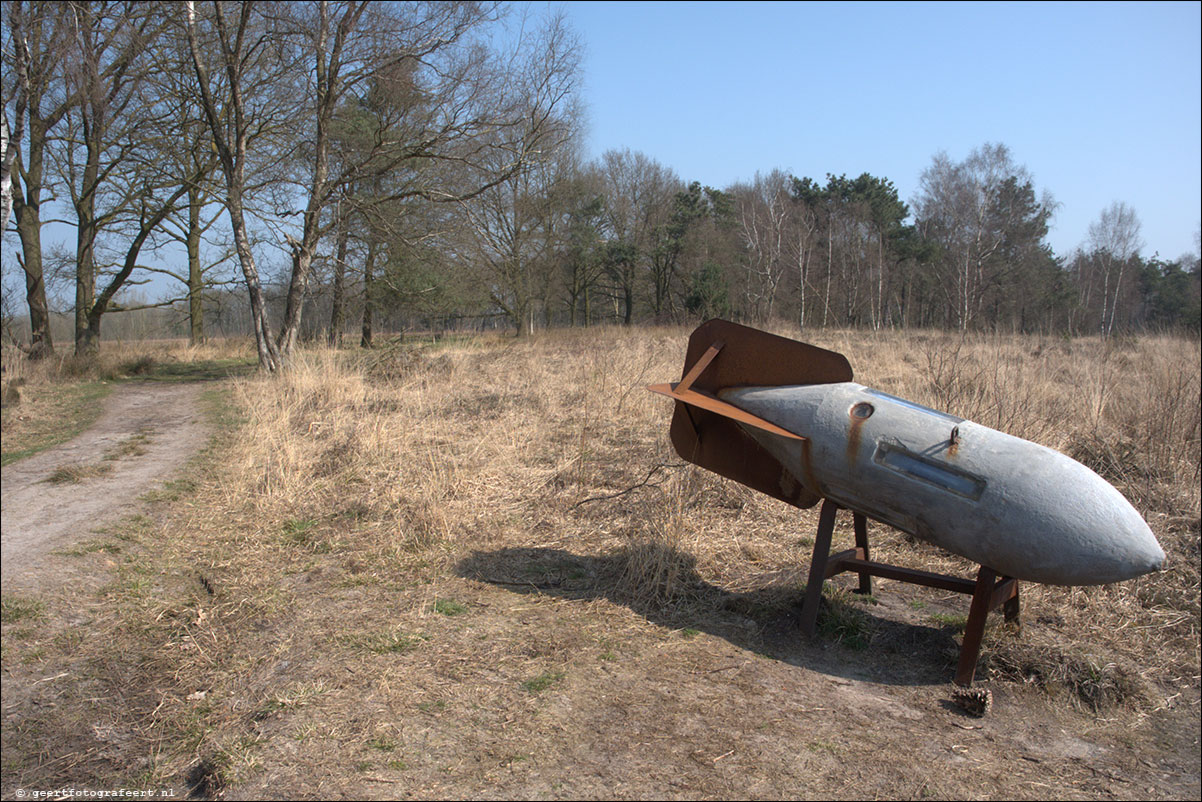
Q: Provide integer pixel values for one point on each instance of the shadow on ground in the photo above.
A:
(856, 639)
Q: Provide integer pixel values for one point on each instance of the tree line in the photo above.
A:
(420, 162)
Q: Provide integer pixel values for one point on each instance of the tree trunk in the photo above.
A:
(85, 282)
(41, 344)
(87, 339)
(302, 263)
(232, 152)
(337, 311)
(327, 68)
(830, 269)
(196, 324)
(269, 357)
(368, 268)
(27, 210)
(8, 152)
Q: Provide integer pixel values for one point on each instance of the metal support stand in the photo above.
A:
(988, 592)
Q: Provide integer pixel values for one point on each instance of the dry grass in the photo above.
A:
(74, 474)
(51, 401)
(285, 628)
(117, 360)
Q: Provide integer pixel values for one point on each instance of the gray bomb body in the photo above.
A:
(1020, 508)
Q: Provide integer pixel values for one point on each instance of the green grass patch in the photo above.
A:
(221, 409)
(449, 607)
(201, 370)
(19, 608)
(91, 547)
(842, 620)
(173, 490)
(132, 446)
(385, 642)
(951, 620)
(543, 681)
(825, 746)
(383, 743)
(298, 530)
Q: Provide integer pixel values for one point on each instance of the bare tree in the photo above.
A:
(39, 36)
(10, 139)
(800, 246)
(669, 244)
(638, 198)
(110, 154)
(207, 261)
(338, 298)
(484, 116)
(187, 157)
(514, 234)
(1114, 239)
(981, 212)
(246, 101)
(764, 212)
(580, 254)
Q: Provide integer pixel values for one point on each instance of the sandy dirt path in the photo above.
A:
(167, 426)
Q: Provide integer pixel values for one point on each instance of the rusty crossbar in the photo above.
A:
(989, 591)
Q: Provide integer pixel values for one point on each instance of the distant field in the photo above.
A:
(477, 569)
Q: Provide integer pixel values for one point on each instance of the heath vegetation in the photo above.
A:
(478, 568)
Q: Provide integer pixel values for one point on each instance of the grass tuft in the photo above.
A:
(843, 619)
(79, 472)
(543, 681)
(449, 607)
(385, 642)
(1099, 684)
(15, 608)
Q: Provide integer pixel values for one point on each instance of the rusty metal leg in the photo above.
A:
(822, 552)
(974, 629)
(1010, 611)
(860, 524)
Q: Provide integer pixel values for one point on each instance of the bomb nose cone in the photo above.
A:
(1134, 555)
(1104, 538)
(1154, 558)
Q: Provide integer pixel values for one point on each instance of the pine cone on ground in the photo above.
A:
(975, 701)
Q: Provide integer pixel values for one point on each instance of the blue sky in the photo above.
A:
(1100, 101)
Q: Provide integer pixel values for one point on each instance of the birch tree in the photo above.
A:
(970, 210)
(638, 199)
(764, 211)
(1114, 240)
(241, 83)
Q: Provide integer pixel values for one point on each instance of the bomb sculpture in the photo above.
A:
(786, 418)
